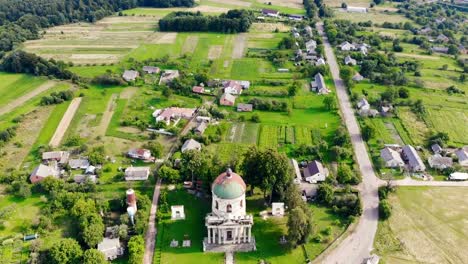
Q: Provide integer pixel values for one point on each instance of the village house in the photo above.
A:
(411, 156)
(137, 173)
(227, 99)
(110, 248)
(139, 153)
(151, 69)
(442, 38)
(357, 77)
(315, 172)
(320, 61)
(75, 164)
(191, 144)
(363, 104)
(436, 148)
(296, 17)
(270, 12)
(318, 85)
(355, 9)
(198, 89)
(385, 110)
(346, 46)
(168, 76)
(425, 31)
(172, 114)
(311, 45)
(308, 31)
(244, 107)
(130, 75)
(232, 87)
(43, 171)
(391, 158)
(90, 170)
(462, 155)
(436, 161)
(201, 127)
(296, 35)
(462, 49)
(349, 61)
(362, 47)
(82, 178)
(440, 49)
(59, 156)
(206, 119)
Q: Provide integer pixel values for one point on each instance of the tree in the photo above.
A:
(345, 175)
(136, 248)
(329, 102)
(344, 5)
(299, 226)
(169, 174)
(325, 193)
(368, 132)
(268, 170)
(94, 256)
(92, 228)
(255, 118)
(66, 251)
(403, 92)
(155, 147)
(293, 88)
(96, 156)
(385, 210)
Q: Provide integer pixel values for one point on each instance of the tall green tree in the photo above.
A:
(329, 102)
(299, 226)
(136, 249)
(65, 251)
(94, 256)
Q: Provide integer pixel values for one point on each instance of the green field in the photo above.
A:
(13, 86)
(426, 226)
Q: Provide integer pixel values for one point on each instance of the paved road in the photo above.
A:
(65, 122)
(357, 246)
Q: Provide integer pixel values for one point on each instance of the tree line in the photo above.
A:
(232, 22)
(166, 3)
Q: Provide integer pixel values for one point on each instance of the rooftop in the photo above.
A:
(228, 185)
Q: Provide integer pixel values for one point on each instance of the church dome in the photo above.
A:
(229, 185)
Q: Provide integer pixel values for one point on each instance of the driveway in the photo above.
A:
(357, 246)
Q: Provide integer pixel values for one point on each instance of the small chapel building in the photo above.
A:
(229, 227)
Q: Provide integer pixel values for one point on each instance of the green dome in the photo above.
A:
(229, 185)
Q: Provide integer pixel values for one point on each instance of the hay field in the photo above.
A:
(372, 15)
(428, 225)
(106, 41)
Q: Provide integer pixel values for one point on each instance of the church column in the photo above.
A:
(209, 235)
(236, 236)
(250, 233)
(242, 239)
(219, 235)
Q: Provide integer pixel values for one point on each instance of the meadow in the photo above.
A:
(426, 226)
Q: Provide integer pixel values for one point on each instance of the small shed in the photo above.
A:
(277, 209)
(177, 212)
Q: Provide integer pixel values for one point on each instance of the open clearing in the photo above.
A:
(215, 52)
(65, 122)
(286, 3)
(190, 44)
(105, 41)
(428, 225)
(374, 16)
(168, 38)
(23, 99)
(107, 116)
(239, 46)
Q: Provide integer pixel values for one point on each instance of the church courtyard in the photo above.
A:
(267, 232)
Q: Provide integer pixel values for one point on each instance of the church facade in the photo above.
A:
(228, 226)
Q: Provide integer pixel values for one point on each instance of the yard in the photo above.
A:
(267, 234)
(427, 226)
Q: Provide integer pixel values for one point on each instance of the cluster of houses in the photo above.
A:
(395, 156)
(54, 163)
(166, 76)
(310, 54)
(439, 40)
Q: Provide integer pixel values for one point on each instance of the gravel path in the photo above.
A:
(357, 246)
(65, 122)
(150, 238)
(23, 99)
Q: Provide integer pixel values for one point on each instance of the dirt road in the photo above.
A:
(107, 116)
(23, 99)
(239, 46)
(357, 246)
(65, 122)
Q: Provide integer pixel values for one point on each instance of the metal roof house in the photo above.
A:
(391, 158)
(411, 156)
(137, 173)
(191, 144)
(315, 172)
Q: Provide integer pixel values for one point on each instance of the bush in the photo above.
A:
(385, 209)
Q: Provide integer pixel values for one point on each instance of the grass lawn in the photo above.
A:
(427, 226)
(13, 86)
(374, 16)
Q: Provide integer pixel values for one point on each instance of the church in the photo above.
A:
(229, 227)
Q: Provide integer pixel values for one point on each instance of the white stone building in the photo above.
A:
(229, 226)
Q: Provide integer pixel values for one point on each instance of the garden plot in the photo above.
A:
(239, 46)
(215, 52)
(286, 3)
(168, 38)
(243, 133)
(452, 121)
(269, 27)
(374, 16)
(190, 44)
(416, 128)
(106, 41)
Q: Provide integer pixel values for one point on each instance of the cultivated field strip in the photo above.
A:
(65, 122)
